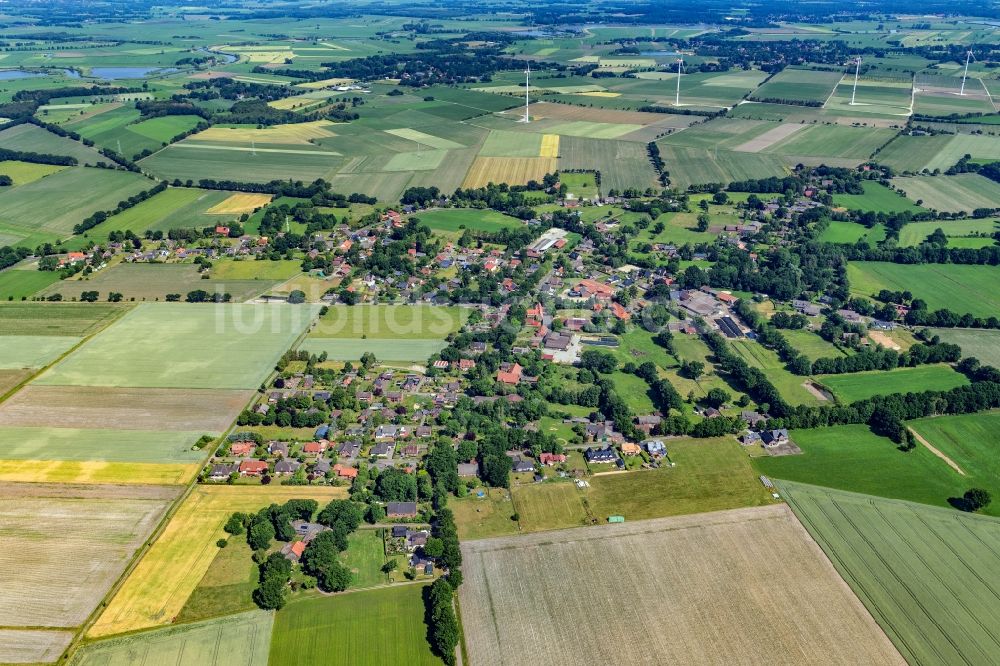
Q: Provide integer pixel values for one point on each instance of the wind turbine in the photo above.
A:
(677, 97)
(253, 149)
(857, 70)
(965, 75)
(527, 88)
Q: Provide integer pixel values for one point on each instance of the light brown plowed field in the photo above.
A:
(746, 586)
(207, 410)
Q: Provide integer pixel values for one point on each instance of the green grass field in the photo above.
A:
(635, 391)
(365, 556)
(623, 164)
(122, 131)
(710, 475)
(908, 153)
(878, 198)
(970, 441)
(236, 640)
(60, 319)
(174, 208)
(856, 143)
(23, 173)
(789, 386)
(812, 345)
(979, 343)
(358, 629)
(102, 445)
(799, 85)
(960, 288)
(399, 322)
(32, 351)
(861, 385)
(182, 345)
(850, 457)
(384, 349)
(963, 192)
(227, 587)
(20, 282)
(921, 571)
(70, 196)
(284, 269)
(916, 233)
(851, 232)
(457, 220)
(34, 139)
(693, 166)
(153, 281)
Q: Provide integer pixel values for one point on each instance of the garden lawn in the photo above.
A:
(850, 457)
(369, 628)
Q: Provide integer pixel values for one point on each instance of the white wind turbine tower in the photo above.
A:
(677, 97)
(965, 75)
(857, 70)
(527, 88)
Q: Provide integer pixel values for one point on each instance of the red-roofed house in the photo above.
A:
(293, 551)
(620, 312)
(345, 472)
(509, 374)
(252, 467)
(242, 448)
(221, 230)
(551, 458)
(596, 288)
(315, 447)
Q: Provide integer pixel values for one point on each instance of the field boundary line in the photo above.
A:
(936, 451)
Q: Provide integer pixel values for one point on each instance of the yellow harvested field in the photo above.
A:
(163, 580)
(298, 133)
(240, 203)
(550, 146)
(512, 170)
(600, 93)
(747, 586)
(74, 471)
(325, 83)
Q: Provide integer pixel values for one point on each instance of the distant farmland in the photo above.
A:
(703, 576)
(921, 571)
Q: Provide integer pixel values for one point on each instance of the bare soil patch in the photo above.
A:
(769, 138)
(208, 410)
